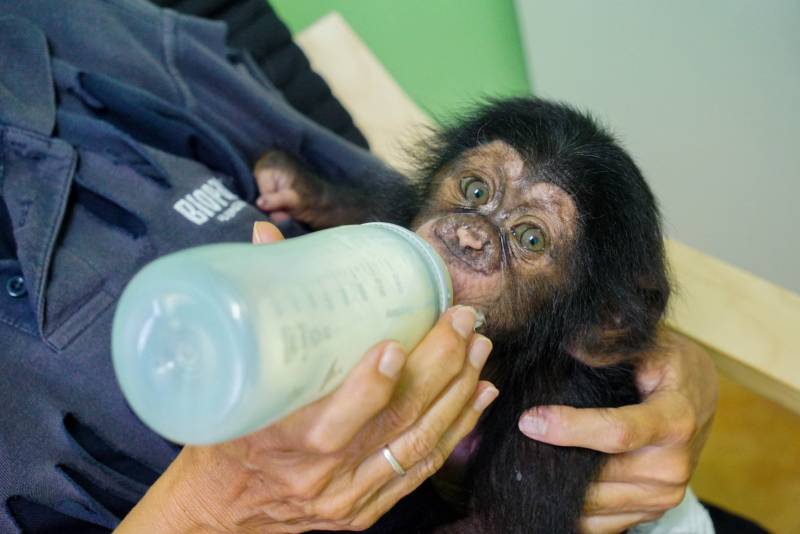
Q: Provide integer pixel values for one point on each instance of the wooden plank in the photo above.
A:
(751, 325)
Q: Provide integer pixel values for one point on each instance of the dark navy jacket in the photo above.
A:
(126, 132)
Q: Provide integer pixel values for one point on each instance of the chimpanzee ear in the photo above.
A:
(627, 330)
(602, 347)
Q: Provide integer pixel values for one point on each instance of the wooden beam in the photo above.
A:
(751, 326)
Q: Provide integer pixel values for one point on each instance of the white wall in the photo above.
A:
(706, 96)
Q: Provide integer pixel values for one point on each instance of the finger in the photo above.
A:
(330, 423)
(609, 498)
(285, 199)
(279, 216)
(267, 180)
(430, 438)
(612, 430)
(613, 524)
(425, 436)
(666, 465)
(397, 486)
(433, 364)
(264, 232)
(260, 203)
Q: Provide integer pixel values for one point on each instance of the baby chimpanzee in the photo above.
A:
(549, 229)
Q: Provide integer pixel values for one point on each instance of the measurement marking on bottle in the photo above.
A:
(377, 277)
(289, 343)
(392, 272)
(333, 371)
(328, 301)
(311, 300)
(298, 307)
(300, 339)
(362, 291)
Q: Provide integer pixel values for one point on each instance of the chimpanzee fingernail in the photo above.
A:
(533, 425)
(464, 320)
(479, 351)
(485, 398)
(392, 361)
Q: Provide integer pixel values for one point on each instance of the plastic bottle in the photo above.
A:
(215, 342)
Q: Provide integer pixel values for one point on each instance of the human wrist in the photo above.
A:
(179, 502)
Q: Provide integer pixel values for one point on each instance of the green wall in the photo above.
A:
(444, 53)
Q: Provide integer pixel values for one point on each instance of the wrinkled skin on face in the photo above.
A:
(503, 235)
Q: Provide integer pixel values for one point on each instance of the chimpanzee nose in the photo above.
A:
(470, 238)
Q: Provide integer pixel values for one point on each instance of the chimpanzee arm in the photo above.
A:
(289, 186)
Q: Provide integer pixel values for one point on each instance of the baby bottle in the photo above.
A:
(217, 341)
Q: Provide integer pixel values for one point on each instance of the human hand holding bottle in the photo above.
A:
(322, 467)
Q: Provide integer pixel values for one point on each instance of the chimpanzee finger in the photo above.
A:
(285, 199)
(267, 180)
(400, 486)
(279, 216)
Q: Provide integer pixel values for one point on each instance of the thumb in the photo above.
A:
(610, 430)
(264, 232)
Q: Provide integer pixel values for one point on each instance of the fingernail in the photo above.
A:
(485, 398)
(479, 351)
(263, 233)
(533, 425)
(464, 320)
(392, 361)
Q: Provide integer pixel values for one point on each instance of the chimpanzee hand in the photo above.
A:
(288, 189)
(654, 445)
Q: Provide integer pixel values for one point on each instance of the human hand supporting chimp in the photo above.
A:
(654, 446)
(322, 466)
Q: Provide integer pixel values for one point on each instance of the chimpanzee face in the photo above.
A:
(504, 235)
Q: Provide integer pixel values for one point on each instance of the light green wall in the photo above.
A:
(444, 53)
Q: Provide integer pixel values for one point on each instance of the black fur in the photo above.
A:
(613, 296)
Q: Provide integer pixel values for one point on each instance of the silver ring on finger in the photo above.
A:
(393, 461)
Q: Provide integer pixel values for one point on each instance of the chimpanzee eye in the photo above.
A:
(531, 238)
(475, 190)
